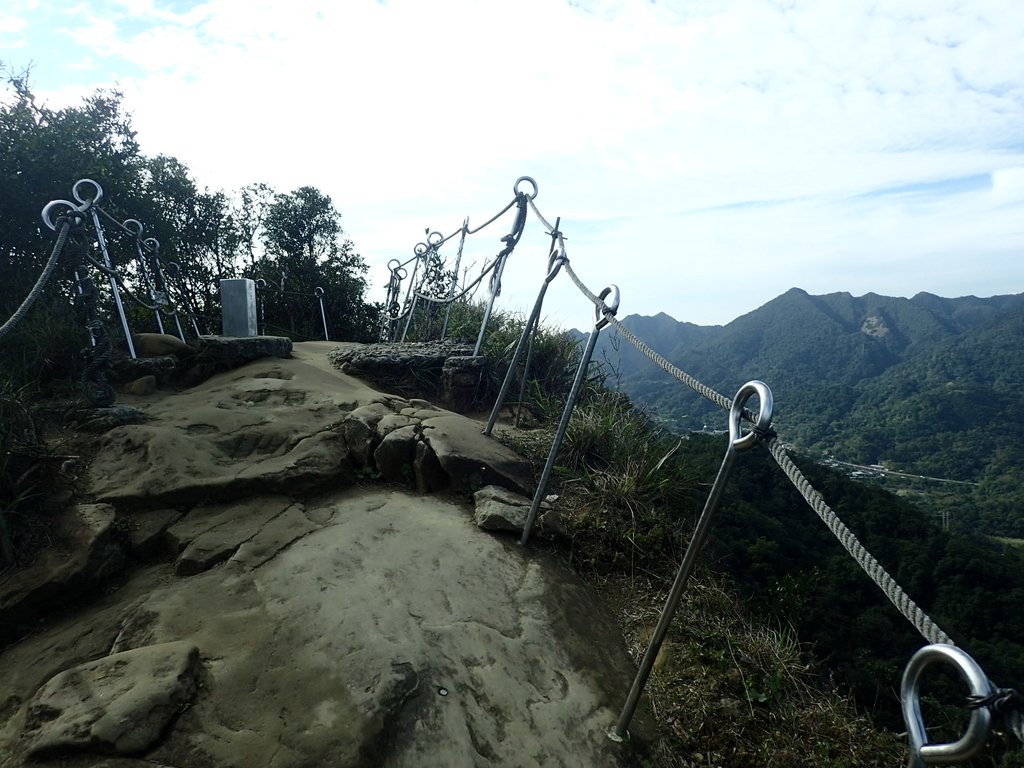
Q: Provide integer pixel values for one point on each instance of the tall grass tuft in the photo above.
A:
(630, 498)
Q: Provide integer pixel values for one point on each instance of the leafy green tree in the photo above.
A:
(305, 249)
(42, 153)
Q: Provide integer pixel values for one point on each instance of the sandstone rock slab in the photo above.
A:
(232, 352)
(120, 703)
(474, 460)
(89, 548)
(265, 427)
(498, 509)
(210, 535)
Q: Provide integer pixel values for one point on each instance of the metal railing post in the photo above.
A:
(555, 261)
(91, 205)
(319, 293)
(737, 442)
(600, 321)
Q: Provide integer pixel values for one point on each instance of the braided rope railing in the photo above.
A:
(910, 610)
(41, 282)
(1005, 704)
(423, 252)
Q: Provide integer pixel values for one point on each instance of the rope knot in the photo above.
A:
(74, 219)
(1001, 701)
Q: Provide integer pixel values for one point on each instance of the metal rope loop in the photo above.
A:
(318, 291)
(434, 239)
(763, 421)
(261, 284)
(420, 248)
(396, 264)
(151, 244)
(977, 732)
(134, 226)
(604, 308)
(87, 201)
(555, 262)
(73, 210)
(536, 189)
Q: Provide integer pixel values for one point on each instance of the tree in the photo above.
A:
(305, 249)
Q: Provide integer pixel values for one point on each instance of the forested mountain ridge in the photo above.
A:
(927, 385)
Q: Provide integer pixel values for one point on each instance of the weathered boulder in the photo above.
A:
(360, 430)
(160, 345)
(499, 509)
(105, 419)
(265, 427)
(394, 456)
(127, 369)
(232, 352)
(279, 532)
(142, 386)
(121, 703)
(210, 535)
(89, 548)
(358, 626)
(430, 475)
(147, 531)
(393, 421)
(395, 634)
(473, 460)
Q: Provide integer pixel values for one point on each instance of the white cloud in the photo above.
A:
(1008, 185)
(639, 120)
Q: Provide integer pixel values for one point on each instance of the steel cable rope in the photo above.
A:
(179, 287)
(472, 286)
(156, 307)
(289, 293)
(464, 229)
(171, 311)
(465, 290)
(43, 279)
(491, 220)
(921, 621)
(117, 276)
(910, 610)
(109, 272)
(1007, 705)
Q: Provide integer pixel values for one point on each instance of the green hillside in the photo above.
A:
(926, 386)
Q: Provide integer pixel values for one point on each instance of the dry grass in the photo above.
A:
(732, 693)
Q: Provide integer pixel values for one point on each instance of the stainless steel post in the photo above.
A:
(737, 442)
(555, 261)
(319, 293)
(91, 204)
(600, 321)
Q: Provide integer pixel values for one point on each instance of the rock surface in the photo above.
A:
(498, 509)
(404, 367)
(232, 351)
(120, 703)
(296, 623)
(88, 549)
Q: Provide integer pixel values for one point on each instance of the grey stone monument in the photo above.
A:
(238, 304)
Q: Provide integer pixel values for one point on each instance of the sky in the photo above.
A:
(704, 156)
